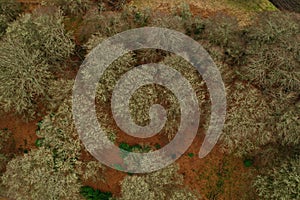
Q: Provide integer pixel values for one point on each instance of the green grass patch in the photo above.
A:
(39, 142)
(90, 193)
(191, 155)
(248, 162)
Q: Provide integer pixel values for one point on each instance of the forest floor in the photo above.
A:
(217, 176)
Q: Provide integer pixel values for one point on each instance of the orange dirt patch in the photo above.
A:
(23, 133)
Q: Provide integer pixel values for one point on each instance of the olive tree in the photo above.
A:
(281, 182)
(33, 47)
(54, 170)
(160, 185)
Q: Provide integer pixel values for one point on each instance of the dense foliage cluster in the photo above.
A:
(33, 47)
(281, 182)
(53, 171)
(9, 10)
(160, 185)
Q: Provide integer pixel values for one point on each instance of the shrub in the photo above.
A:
(33, 46)
(93, 41)
(53, 171)
(44, 33)
(224, 31)
(248, 119)
(168, 21)
(35, 176)
(9, 10)
(160, 185)
(288, 125)
(265, 115)
(173, 106)
(273, 53)
(24, 77)
(281, 182)
(108, 25)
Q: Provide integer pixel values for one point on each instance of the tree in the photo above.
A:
(53, 171)
(280, 183)
(32, 49)
(160, 185)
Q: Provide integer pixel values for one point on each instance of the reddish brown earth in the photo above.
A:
(24, 135)
(201, 175)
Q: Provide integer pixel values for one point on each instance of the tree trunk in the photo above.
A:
(290, 5)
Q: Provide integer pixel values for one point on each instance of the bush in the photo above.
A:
(33, 47)
(44, 33)
(53, 171)
(224, 31)
(274, 53)
(9, 10)
(35, 176)
(247, 127)
(257, 124)
(288, 126)
(160, 185)
(281, 182)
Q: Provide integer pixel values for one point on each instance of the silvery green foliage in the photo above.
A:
(248, 119)
(146, 96)
(288, 126)
(33, 47)
(59, 134)
(9, 10)
(254, 121)
(91, 171)
(45, 33)
(58, 90)
(35, 176)
(280, 183)
(24, 76)
(94, 41)
(53, 171)
(160, 185)
(113, 73)
(274, 53)
(192, 75)
(3, 24)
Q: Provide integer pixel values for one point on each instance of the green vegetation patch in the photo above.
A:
(90, 193)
